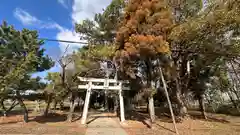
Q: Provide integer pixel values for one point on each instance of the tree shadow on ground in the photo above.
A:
(90, 121)
(138, 116)
(52, 117)
(15, 112)
(97, 117)
(197, 115)
(76, 117)
(11, 122)
(14, 116)
(163, 115)
(165, 128)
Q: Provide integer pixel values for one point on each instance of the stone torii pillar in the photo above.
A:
(122, 115)
(86, 103)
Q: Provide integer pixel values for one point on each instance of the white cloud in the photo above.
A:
(63, 3)
(25, 17)
(51, 25)
(29, 20)
(64, 34)
(83, 9)
(68, 35)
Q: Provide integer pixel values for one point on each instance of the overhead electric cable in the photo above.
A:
(66, 41)
(173, 50)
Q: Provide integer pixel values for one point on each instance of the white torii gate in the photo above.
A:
(118, 86)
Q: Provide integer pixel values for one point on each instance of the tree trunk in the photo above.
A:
(151, 88)
(234, 86)
(25, 111)
(236, 93)
(5, 110)
(37, 108)
(232, 100)
(147, 110)
(128, 104)
(71, 109)
(78, 102)
(3, 107)
(151, 109)
(11, 107)
(235, 72)
(61, 105)
(106, 101)
(48, 104)
(202, 106)
(55, 105)
(181, 106)
(116, 106)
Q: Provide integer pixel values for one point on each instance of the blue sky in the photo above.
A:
(53, 19)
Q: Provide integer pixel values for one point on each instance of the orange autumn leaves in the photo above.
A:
(146, 45)
(144, 29)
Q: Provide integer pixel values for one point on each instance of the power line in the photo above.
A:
(66, 41)
(173, 50)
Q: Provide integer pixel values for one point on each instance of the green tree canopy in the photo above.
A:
(102, 29)
(20, 55)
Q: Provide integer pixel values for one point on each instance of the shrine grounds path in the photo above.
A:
(104, 124)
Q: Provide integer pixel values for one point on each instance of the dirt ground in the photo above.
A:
(217, 124)
(53, 124)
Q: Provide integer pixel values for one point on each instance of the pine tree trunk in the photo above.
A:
(55, 105)
(71, 109)
(202, 106)
(5, 110)
(116, 106)
(150, 106)
(3, 107)
(128, 104)
(78, 102)
(233, 102)
(151, 109)
(235, 72)
(37, 108)
(181, 106)
(106, 101)
(234, 87)
(25, 111)
(147, 110)
(48, 105)
(238, 80)
(61, 105)
(11, 107)
(236, 93)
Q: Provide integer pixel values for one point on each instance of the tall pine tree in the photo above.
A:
(142, 38)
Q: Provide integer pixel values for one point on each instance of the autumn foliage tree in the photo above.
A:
(142, 38)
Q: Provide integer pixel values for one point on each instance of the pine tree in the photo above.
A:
(20, 55)
(102, 29)
(142, 39)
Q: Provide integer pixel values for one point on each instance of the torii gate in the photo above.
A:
(118, 85)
